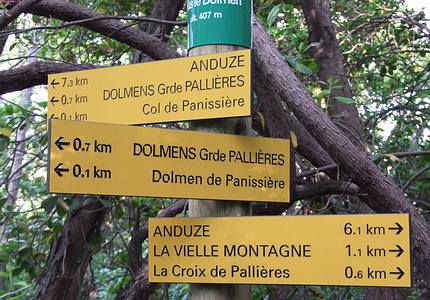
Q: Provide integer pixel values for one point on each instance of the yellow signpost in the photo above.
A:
(105, 159)
(201, 87)
(352, 250)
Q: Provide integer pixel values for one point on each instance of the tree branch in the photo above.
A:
(278, 123)
(34, 74)
(384, 195)
(308, 191)
(410, 153)
(111, 28)
(11, 14)
(413, 178)
(83, 21)
(163, 9)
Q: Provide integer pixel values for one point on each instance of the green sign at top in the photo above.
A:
(222, 22)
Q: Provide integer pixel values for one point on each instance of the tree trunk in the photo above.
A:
(69, 255)
(384, 195)
(14, 177)
(163, 10)
(278, 122)
(139, 288)
(3, 41)
(329, 59)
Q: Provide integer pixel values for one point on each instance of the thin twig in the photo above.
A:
(413, 178)
(79, 22)
(5, 296)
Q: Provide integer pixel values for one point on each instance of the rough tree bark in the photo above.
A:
(385, 196)
(308, 191)
(69, 256)
(3, 41)
(163, 10)
(331, 67)
(278, 122)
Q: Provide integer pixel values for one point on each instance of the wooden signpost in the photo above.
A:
(214, 254)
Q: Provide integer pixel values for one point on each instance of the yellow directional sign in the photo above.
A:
(201, 87)
(105, 159)
(352, 250)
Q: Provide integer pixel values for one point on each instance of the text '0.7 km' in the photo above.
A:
(202, 87)
(93, 158)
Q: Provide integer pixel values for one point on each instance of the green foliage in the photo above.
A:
(387, 60)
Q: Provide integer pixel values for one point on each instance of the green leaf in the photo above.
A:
(118, 212)
(317, 290)
(326, 93)
(423, 94)
(291, 60)
(314, 44)
(273, 15)
(313, 66)
(21, 225)
(303, 69)
(17, 271)
(12, 46)
(57, 228)
(5, 132)
(375, 157)
(344, 100)
(9, 109)
(4, 257)
(294, 140)
(43, 104)
(49, 203)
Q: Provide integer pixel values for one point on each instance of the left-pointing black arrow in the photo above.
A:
(399, 273)
(54, 83)
(399, 250)
(53, 100)
(60, 143)
(59, 170)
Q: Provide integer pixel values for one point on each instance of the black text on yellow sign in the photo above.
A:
(352, 250)
(201, 87)
(105, 159)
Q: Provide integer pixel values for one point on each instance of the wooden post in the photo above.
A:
(209, 208)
